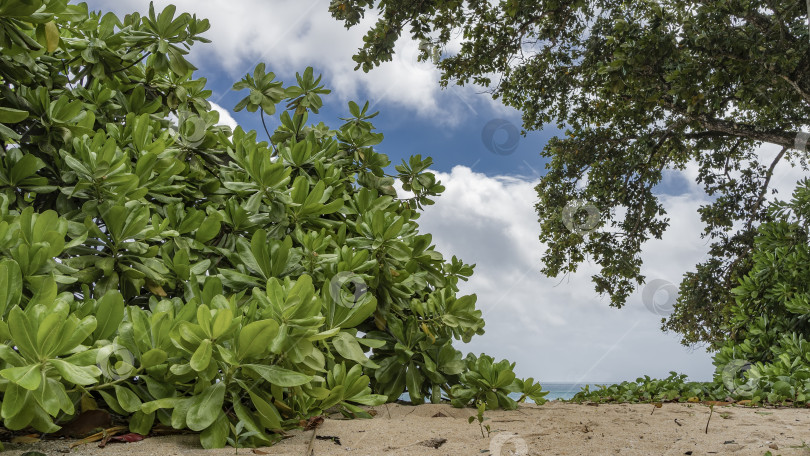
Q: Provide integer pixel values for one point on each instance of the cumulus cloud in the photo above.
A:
(556, 329)
(291, 35)
(559, 329)
(225, 117)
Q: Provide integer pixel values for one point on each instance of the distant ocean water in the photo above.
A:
(555, 390)
(562, 390)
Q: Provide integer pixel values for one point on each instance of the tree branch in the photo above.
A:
(764, 189)
(793, 83)
(778, 137)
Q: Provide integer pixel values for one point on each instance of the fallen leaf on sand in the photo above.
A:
(26, 438)
(131, 437)
(104, 435)
(126, 438)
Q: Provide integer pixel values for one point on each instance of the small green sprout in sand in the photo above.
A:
(482, 406)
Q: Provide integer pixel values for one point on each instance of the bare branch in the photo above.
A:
(764, 189)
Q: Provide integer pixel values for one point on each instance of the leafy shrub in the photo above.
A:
(175, 271)
(674, 388)
(488, 382)
(768, 359)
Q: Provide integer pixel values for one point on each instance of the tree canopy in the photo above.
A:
(638, 89)
(768, 359)
(167, 269)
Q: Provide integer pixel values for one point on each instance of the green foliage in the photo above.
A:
(482, 407)
(638, 89)
(647, 390)
(485, 381)
(767, 360)
(181, 273)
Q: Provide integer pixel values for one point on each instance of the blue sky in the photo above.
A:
(455, 138)
(555, 329)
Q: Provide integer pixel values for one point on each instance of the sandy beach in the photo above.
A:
(555, 428)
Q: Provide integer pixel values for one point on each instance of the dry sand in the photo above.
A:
(552, 429)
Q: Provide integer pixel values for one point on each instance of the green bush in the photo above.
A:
(674, 388)
(171, 270)
(767, 361)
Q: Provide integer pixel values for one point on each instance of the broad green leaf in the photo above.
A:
(11, 115)
(204, 320)
(112, 402)
(222, 321)
(49, 332)
(202, 356)
(414, 380)
(23, 333)
(128, 400)
(153, 357)
(51, 36)
(255, 338)
(11, 285)
(216, 435)
(14, 399)
(206, 407)
(109, 314)
(268, 414)
(79, 375)
(29, 377)
(165, 403)
(348, 347)
(51, 396)
(278, 375)
(141, 423)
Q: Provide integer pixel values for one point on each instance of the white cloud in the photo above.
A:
(558, 329)
(225, 117)
(291, 35)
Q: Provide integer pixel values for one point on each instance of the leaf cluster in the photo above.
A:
(767, 358)
(173, 271)
(638, 92)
